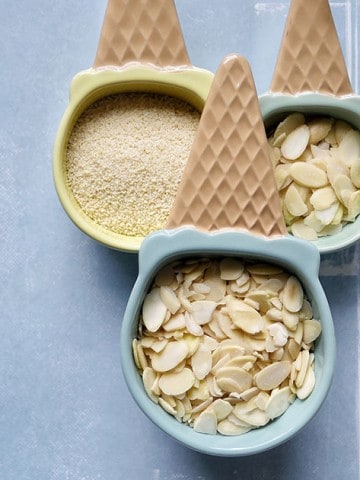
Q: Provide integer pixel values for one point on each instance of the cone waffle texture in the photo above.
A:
(145, 31)
(310, 57)
(228, 181)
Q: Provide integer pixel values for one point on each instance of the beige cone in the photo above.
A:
(228, 181)
(310, 57)
(143, 31)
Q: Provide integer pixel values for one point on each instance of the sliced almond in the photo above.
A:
(153, 310)
(323, 198)
(244, 361)
(334, 168)
(304, 358)
(290, 123)
(244, 316)
(226, 427)
(272, 375)
(293, 295)
(180, 409)
(135, 353)
(170, 299)
(308, 175)
(313, 222)
(173, 354)
(201, 361)
(293, 348)
(262, 399)
(236, 420)
(274, 155)
(202, 406)
(231, 379)
(278, 141)
(221, 408)
(231, 269)
(177, 322)
(249, 321)
(312, 329)
(278, 402)
(306, 312)
(264, 269)
(330, 230)
(275, 301)
(341, 129)
(349, 147)
(255, 417)
(191, 326)
(327, 216)
(202, 311)
(294, 203)
(167, 407)
(206, 423)
(210, 342)
(343, 187)
(319, 153)
(201, 288)
(307, 386)
(301, 230)
(282, 176)
(299, 332)
(295, 143)
(353, 206)
(248, 394)
(271, 286)
(158, 345)
(176, 383)
(319, 128)
(355, 172)
(200, 391)
(290, 319)
(330, 137)
(192, 342)
(214, 388)
(141, 356)
(278, 333)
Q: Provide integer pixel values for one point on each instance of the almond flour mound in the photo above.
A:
(125, 158)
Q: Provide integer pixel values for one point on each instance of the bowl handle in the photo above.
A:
(141, 31)
(310, 56)
(228, 181)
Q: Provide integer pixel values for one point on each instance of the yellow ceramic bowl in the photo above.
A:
(191, 85)
(157, 63)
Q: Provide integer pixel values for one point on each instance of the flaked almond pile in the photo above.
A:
(317, 171)
(225, 345)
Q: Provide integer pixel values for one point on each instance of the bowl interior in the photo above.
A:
(245, 247)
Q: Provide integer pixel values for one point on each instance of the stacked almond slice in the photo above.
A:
(317, 171)
(225, 345)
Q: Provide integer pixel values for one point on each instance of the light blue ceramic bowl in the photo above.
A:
(275, 107)
(296, 256)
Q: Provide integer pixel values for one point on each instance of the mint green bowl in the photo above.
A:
(297, 256)
(275, 107)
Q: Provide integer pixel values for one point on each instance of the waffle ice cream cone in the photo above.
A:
(228, 181)
(310, 56)
(141, 31)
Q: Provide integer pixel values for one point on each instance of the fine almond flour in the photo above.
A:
(125, 159)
